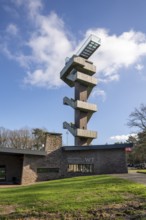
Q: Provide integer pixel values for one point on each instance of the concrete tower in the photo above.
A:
(78, 73)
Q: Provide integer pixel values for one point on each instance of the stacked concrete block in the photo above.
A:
(78, 73)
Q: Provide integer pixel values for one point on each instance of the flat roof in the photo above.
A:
(22, 151)
(53, 133)
(97, 147)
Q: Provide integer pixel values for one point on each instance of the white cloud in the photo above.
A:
(122, 138)
(98, 92)
(139, 67)
(12, 29)
(49, 43)
(117, 52)
(50, 46)
(32, 6)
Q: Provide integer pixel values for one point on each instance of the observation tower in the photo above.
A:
(78, 73)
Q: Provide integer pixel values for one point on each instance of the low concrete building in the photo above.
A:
(57, 161)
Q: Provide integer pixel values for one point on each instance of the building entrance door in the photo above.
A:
(2, 173)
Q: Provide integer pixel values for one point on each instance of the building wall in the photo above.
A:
(112, 161)
(13, 165)
(104, 161)
(29, 173)
(41, 168)
(55, 164)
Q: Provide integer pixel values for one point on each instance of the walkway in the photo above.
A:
(136, 177)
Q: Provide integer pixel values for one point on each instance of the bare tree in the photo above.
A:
(24, 138)
(138, 118)
(4, 136)
(21, 139)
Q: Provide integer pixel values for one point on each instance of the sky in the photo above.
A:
(35, 38)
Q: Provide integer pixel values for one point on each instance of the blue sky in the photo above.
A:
(37, 36)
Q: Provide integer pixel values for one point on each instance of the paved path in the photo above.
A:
(136, 177)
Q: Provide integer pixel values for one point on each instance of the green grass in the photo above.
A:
(137, 171)
(141, 171)
(72, 195)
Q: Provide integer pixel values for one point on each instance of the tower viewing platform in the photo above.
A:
(78, 73)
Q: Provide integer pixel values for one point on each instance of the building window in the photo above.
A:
(81, 168)
(2, 173)
(47, 170)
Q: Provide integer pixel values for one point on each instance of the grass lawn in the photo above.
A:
(137, 171)
(92, 197)
(141, 171)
